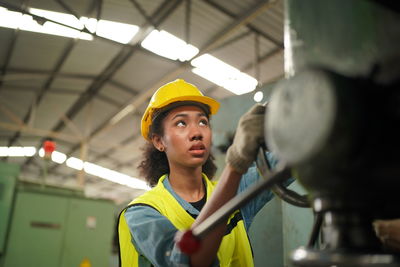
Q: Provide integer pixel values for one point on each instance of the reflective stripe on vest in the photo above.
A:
(235, 247)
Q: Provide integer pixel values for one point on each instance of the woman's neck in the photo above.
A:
(187, 183)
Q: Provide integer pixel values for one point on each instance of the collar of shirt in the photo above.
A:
(186, 205)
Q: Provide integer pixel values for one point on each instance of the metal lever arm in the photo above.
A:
(281, 191)
(188, 242)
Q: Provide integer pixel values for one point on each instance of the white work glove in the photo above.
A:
(248, 138)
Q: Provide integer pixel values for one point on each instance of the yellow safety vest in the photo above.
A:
(235, 249)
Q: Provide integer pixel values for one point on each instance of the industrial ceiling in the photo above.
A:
(88, 96)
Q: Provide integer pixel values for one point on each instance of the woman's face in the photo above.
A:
(187, 137)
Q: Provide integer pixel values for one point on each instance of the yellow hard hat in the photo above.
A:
(172, 92)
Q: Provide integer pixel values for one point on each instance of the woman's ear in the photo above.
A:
(157, 142)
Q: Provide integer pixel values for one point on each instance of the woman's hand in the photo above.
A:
(248, 138)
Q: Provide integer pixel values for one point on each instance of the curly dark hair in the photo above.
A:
(155, 163)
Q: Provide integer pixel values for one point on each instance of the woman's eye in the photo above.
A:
(180, 123)
(204, 122)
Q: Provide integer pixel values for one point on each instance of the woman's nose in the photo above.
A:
(195, 133)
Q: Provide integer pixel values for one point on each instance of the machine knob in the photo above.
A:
(187, 242)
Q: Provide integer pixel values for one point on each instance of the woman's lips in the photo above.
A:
(197, 150)
(197, 147)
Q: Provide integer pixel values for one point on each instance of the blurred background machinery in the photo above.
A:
(51, 226)
(334, 122)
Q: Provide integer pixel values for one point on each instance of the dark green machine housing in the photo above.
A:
(8, 177)
(51, 226)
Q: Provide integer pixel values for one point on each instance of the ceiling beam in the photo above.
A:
(46, 86)
(9, 53)
(10, 50)
(232, 40)
(39, 132)
(142, 12)
(20, 71)
(99, 10)
(224, 10)
(32, 88)
(23, 71)
(67, 8)
(188, 15)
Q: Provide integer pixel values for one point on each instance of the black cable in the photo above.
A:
(315, 230)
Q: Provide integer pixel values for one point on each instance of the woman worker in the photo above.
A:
(179, 166)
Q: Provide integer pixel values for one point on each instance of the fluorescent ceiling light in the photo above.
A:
(17, 151)
(224, 75)
(41, 152)
(75, 163)
(116, 31)
(63, 18)
(3, 151)
(114, 176)
(17, 20)
(167, 45)
(58, 157)
(119, 32)
(30, 151)
(258, 96)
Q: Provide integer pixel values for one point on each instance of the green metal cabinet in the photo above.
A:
(37, 230)
(53, 227)
(89, 233)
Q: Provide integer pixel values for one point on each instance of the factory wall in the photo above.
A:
(279, 227)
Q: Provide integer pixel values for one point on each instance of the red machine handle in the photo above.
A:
(187, 242)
